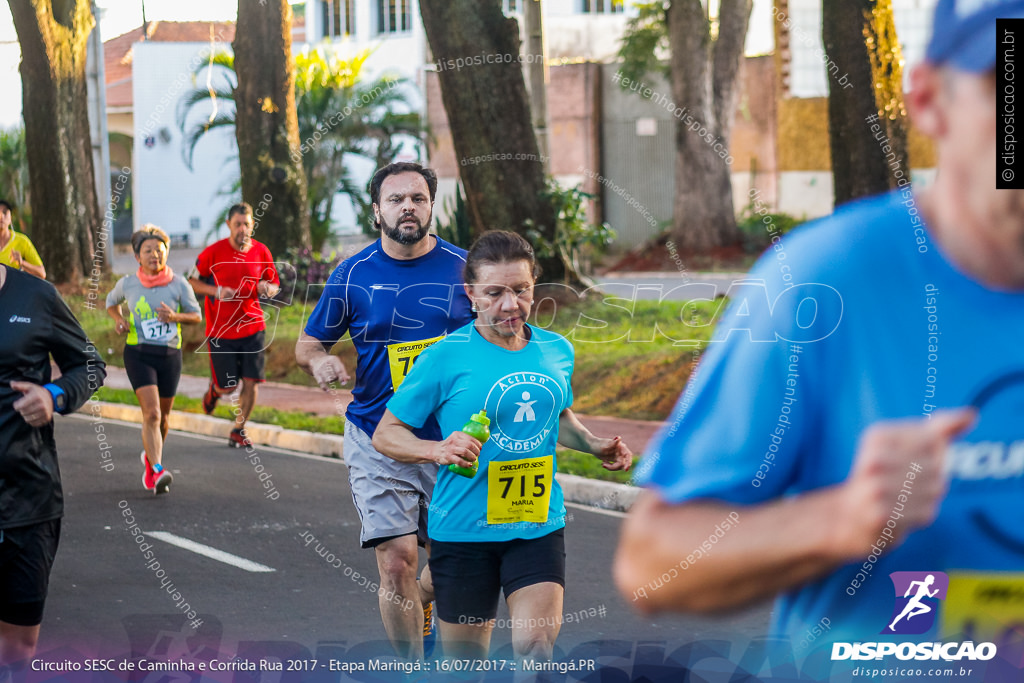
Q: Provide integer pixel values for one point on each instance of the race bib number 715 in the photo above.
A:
(402, 355)
(519, 490)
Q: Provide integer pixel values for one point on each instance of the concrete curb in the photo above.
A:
(600, 494)
(266, 435)
(606, 495)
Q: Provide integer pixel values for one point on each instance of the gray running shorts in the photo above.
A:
(391, 497)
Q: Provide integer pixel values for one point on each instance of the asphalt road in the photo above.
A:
(108, 599)
(668, 286)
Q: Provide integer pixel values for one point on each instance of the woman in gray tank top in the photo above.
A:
(158, 302)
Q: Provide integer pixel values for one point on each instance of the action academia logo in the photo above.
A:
(917, 601)
(525, 406)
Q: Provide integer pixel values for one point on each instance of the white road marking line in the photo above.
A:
(600, 511)
(212, 553)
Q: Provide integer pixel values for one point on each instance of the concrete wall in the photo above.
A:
(638, 149)
(120, 122)
(593, 37)
(574, 128)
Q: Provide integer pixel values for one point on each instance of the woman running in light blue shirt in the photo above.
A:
(503, 529)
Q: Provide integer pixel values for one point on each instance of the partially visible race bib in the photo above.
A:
(519, 490)
(987, 607)
(402, 355)
(157, 332)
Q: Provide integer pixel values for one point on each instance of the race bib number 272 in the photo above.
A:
(155, 331)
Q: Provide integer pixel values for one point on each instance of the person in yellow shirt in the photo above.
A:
(17, 250)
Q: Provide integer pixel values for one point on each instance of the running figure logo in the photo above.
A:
(917, 596)
(525, 412)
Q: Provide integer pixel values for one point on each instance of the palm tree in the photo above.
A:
(339, 115)
(219, 90)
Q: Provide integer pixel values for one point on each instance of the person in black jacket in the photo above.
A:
(36, 324)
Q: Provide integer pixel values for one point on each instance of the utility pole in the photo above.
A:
(535, 58)
(97, 89)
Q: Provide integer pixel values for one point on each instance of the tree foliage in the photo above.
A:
(645, 45)
(340, 115)
(14, 185)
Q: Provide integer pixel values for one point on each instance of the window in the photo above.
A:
(510, 6)
(339, 18)
(394, 16)
(603, 6)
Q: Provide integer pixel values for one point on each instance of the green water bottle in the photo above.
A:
(477, 427)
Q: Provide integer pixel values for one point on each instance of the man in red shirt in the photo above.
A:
(233, 274)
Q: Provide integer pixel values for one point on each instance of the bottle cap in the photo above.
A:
(482, 418)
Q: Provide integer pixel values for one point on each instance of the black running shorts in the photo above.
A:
(232, 360)
(26, 558)
(468, 576)
(148, 364)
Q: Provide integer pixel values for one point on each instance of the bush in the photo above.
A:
(758, 228)
(455, 227)
(309, 268)
(576, 238)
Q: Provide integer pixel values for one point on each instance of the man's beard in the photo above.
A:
(405, 235)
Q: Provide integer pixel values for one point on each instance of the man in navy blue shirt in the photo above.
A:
(394, 298)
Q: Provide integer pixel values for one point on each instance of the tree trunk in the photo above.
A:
(65, 213)
(489, 114)
(860, 36)
(704, 75)
(266, 125)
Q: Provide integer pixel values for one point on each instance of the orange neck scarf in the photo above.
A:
(161, 279)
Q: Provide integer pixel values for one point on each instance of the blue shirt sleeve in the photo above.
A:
(329, 320)
(422, 391)
(749, 413)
